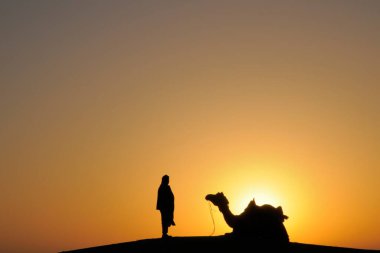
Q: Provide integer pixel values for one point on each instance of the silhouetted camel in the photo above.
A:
(264, 221)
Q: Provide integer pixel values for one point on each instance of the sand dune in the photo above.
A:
(217, 244)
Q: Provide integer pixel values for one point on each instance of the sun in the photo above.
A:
(261, 198)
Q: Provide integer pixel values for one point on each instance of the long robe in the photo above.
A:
(165, 203)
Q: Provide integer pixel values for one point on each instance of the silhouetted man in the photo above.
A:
(165, 203)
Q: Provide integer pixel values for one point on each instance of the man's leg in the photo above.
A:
(164, 230)
(164, 225)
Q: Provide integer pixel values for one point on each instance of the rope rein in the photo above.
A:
(212, 218)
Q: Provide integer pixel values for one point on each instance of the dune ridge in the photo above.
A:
(214, 244)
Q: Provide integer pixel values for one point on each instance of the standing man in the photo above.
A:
(165, 203)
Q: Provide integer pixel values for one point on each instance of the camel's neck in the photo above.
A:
(228, 216)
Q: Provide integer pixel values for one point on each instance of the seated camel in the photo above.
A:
(265, 222)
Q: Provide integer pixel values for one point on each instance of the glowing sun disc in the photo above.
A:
(261, 198)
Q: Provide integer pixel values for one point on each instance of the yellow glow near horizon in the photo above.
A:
(261, 198)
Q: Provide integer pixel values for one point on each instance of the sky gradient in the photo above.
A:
(272, 100)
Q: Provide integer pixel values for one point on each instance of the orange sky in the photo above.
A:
(277, 100)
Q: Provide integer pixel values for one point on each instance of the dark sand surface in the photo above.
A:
(217, 244)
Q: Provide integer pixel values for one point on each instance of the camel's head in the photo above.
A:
(218, 199)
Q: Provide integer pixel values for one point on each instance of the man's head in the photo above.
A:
(165, 179)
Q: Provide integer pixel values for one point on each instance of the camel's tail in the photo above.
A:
(282, 215)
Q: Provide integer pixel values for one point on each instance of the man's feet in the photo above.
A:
(164, 236)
